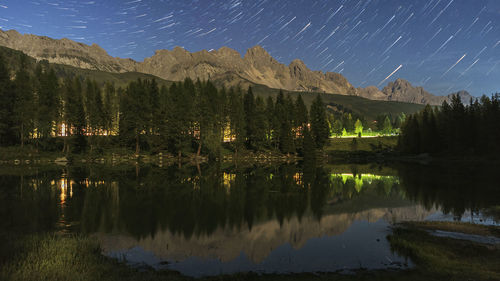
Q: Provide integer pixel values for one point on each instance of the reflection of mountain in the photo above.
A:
(260, 241)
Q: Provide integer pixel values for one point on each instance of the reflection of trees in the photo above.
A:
(185, 202)
(29, 202)
(142, 201)
(454, 189)
(346, 186)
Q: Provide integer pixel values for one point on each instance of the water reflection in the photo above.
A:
(289, 218)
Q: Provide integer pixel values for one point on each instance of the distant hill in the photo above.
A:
(370, 109)
(225, 66)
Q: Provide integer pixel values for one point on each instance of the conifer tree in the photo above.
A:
(237, 119)
(74, 114)
(110, 107)
(250, 119)
(261, 122)
(24, 104)
(271, 121)
(337, 128)
(309, 146)
(387, 126)
(358, 128)
(319, 124)
(48, 104)
(7, 134)
(301, 114)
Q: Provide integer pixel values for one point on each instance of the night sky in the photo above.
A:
(443, 45)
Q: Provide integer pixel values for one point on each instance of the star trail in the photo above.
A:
(442, 45)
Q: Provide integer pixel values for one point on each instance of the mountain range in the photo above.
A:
(224, 66)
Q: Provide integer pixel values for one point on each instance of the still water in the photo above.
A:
(215, 219)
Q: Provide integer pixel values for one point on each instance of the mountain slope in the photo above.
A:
(13, 61)
(224, 66)
(362, 106)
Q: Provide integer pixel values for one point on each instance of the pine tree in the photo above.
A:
(7, 135)
(271, 121)
(428, 130)
(283, 111)
(95, 111)
(237, 118)
(250, 116)
(399, 121)
(279, 117)
(337, 128)
(309, 146)
(301, 114)
(24, 104)
(154, 114)
(349, 123)
(387, 126)
(319, 125)
(261, 121)
(301, 121)
(109, 108)
(74, 115)
(358, 128)
(163, 120)
(135, 116)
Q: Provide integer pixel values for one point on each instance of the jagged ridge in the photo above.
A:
(225, 66)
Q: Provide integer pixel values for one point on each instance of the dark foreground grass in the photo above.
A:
(54, 257)
(447, 258)
(50, 257)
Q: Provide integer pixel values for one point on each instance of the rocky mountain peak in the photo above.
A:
(224, 66)
(228, 52)
(257, 52)
(464, 96)
(401, 84)
(179, 50)
(298, 63)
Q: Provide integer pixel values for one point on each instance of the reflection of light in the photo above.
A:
(228, 136)
(63, 129)
(62, 186)
(361, 179)
(358, 184)
(298, 178)
(228, 178)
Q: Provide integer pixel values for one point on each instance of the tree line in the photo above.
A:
(75, 115)
(345, 122)
(454, 128)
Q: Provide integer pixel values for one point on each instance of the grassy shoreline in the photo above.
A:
(349, 150)
(55, 257)
(17, 156)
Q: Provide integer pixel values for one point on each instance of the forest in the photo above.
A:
(77, 115)
(50, 111)
(455, 129)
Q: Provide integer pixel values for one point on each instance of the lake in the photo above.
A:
(221, 219)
